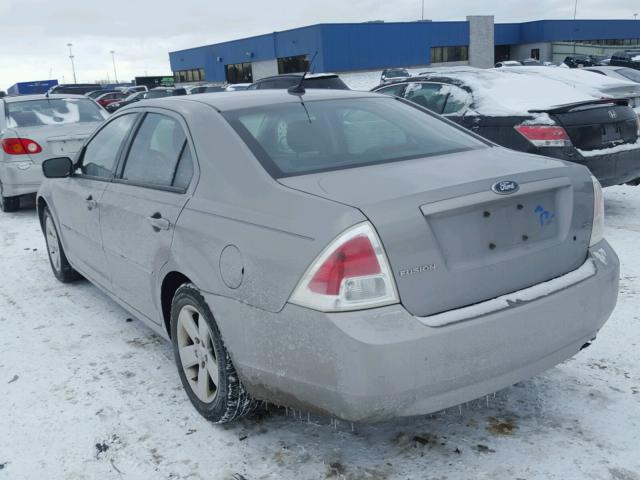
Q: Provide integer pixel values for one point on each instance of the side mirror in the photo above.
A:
(60, 167)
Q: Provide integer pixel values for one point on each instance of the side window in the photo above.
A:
(457, 99)
(101, 154)
(437, 97)
(184, 172)
(155, 151)
(427, 95)
(393, 90)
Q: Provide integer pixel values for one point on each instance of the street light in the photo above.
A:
(113, 59)
(73, 67)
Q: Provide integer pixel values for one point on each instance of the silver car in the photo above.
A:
(340, 252)
(37, 127)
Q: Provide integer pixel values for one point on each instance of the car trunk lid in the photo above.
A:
(57, 140)
(450, 239)
(598, 125)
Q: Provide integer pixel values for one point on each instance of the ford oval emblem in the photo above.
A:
(505, 187)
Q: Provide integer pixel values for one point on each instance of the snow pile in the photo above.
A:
(606, 151)
(540, 290)
(636, 58)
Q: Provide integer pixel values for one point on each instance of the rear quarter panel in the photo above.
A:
(269, 233)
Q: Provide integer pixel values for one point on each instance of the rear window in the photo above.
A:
(295, 139)
(333, 83)
(396, 73)
(54, 111)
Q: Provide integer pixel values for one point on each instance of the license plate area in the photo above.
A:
(492, 231)
(65, 147)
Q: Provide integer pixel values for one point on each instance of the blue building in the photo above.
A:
(37, 86)
(376, 45)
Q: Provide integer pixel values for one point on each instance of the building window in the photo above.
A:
(535, 53)
(449, 54)
(296, 64)
(193, 75)
(239, 73)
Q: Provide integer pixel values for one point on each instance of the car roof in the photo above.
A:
(41, 96)
(228, 101)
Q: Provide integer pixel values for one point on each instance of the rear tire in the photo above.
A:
(204, 365)
(8, 204)
(57, 258)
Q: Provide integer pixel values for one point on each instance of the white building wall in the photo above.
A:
(264, 68)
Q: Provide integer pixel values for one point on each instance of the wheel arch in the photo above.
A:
(170, 283)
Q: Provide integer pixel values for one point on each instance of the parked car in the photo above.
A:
(508, 63)
(620, 73)
(597, 85)
(134, 89)
(74, 88)
(236, 87)
(627, 58)
(393, 74)
(96, 93)
(531, 62)
(106, 98)
(580, 61)
(206, 89)
(137, 96)
(535, 114)
(315, 80)
(36, 127)
(352, 255)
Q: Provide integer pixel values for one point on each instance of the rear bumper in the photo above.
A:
(610, 169)
(20, 178)
(382, 363)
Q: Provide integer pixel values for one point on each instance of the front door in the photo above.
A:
(77, 199)
(140, 208)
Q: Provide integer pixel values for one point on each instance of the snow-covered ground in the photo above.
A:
(85, 393)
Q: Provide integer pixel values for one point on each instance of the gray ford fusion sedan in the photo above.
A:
(340, 252)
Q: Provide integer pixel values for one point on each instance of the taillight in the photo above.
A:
(20, 146)
(597, 228)
(544, 135)
(352, 273)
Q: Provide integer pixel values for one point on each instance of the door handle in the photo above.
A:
(91, 203)
(158, 223)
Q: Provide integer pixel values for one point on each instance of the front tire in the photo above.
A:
(205, 367)
(57, 258)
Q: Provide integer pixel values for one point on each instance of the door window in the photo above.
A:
(437, 97)
(101, 154)
(427, 95)
(155, 151)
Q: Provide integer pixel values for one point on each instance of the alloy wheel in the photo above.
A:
(53, 246)
(197, 355)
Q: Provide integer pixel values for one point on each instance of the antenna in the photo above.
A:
(299, 89)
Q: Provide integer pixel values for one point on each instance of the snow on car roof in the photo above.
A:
(501, 92)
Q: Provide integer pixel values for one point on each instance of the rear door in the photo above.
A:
(141, 206)
(76, 199)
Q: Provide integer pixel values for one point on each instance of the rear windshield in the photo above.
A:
(333, 83)
(396, 73)
(54, 111)
(295, 139)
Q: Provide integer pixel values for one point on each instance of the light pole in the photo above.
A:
(113, 59)
(73, 67)
(423, 10)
